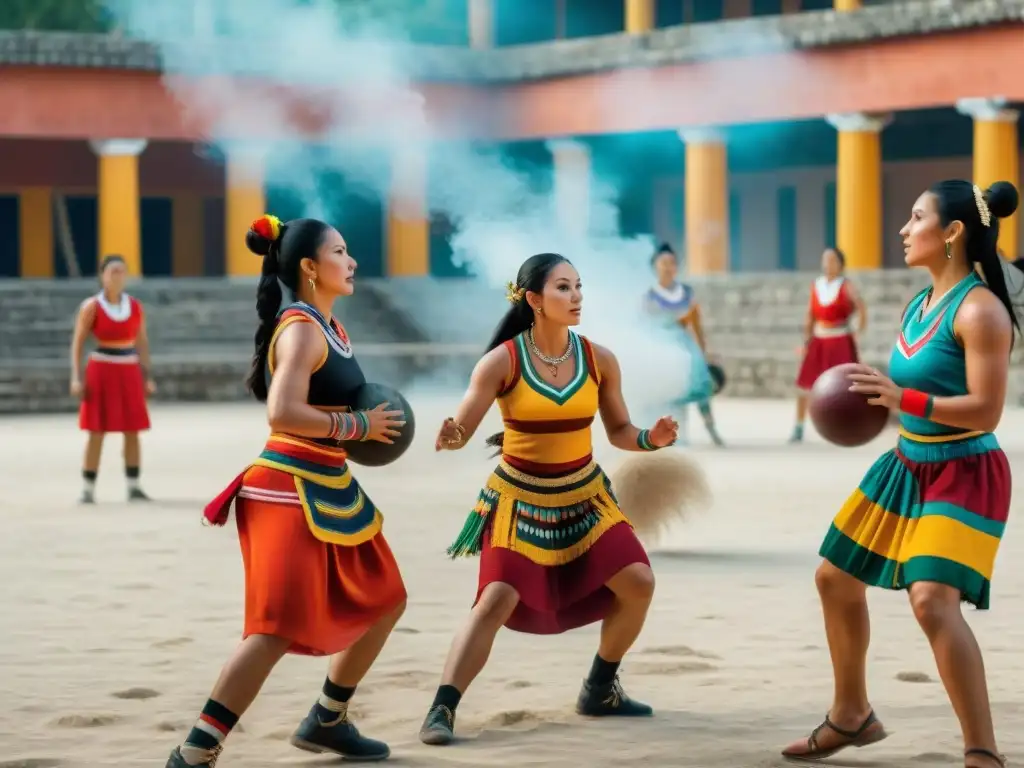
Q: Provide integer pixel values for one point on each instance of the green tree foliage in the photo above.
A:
(55, 15)
(438, 22)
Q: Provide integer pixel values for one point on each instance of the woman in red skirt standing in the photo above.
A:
(117, 379)
(828, 336)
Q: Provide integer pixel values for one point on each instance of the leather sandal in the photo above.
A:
(858, 738)
(979, 752)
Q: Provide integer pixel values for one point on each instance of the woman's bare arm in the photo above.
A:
(620, 430)
(142, 345)
(859, 306)
(297, 351)
(984, 328)
(488, 378)
(83, 325)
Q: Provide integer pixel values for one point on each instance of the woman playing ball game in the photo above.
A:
(556, 551)
(320, 579)
(928, 516)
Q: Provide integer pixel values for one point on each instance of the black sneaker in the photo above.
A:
(137, 494)
(609, 701)
(339, 737)
(177, 761)
(439, 727)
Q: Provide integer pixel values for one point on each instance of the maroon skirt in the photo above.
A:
(825, 353)
(557, 598)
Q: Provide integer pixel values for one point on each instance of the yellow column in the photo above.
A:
(120, 226)
(481, 24)
(639, 15)
(859, 189)
(35, 232)
(847, 5)
(996, 157)
(187, 235)
(244, 201)
(408, 218)
(571, 161)
(706, 200)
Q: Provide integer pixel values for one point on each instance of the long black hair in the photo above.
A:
(282, 247)
(532, 277)
(956, 202)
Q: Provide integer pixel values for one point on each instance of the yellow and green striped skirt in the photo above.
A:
(932, 509)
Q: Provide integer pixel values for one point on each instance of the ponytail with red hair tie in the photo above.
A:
(268, 227)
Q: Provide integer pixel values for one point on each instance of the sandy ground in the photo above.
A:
(117, 618)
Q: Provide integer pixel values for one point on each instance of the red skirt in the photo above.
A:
(114, 398)
(554, 599)
(322, 597)
(825, 353)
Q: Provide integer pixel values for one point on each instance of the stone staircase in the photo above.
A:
(752, 321)
(201, 338)
(429, 330)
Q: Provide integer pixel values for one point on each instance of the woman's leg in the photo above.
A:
(801, 417)
(958, 657)
(848, 630)
(704, 406)
(466, 658)
(239, 682)
(634, 589)
(327, 728)
(91, 466)
(132, 466)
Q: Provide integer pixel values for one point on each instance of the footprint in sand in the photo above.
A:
(406, 631)
(136, 693)
(33, 762)
(513, 718)
(516, 684)
(136, 587)
(412, 678)
(913, 677)
(680, 650)
(165, 726)
(173, 642)
(86, 721)
(672, 668)
(935, 758)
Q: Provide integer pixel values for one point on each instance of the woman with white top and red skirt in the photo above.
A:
(828, 331)
(116, 382)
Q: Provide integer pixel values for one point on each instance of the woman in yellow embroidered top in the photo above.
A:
(556, 551)
(320, 579)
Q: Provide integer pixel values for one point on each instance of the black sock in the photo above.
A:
(602, 672)
(132, 473)
(447, 696)
(333, 701)
(89, 475)
(212, 727)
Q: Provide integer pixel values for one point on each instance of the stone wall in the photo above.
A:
(410, 329)
(200, 330)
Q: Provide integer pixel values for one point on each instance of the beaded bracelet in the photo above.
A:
(643, 441)
(335, 430)
(916, 403)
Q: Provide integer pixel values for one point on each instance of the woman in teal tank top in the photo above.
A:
(929, 514)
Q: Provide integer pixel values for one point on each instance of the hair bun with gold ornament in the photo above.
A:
(513, 293)
(263, 233)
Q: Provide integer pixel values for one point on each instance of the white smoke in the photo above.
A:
(357, 79)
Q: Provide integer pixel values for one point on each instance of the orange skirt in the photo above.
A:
(322, 597)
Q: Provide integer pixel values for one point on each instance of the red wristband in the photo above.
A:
(916, 403)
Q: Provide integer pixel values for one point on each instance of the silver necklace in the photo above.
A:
(551, 362)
